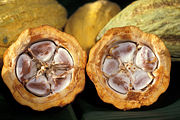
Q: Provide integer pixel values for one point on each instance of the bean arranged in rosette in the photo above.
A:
(129, 68)
(44, 68)
(47, 71)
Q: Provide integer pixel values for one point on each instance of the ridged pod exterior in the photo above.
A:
(89, 19)
(160, 17)
(18, 15)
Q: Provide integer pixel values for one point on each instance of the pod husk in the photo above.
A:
(18, 15)
(133, 99)
(159, 17)
(61, 98)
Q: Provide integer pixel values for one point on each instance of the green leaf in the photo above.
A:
(169, 112)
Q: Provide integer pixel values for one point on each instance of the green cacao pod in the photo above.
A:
(17, 15)
(160, 17)
(89, 19)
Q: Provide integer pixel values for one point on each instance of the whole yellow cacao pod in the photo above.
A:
(160, 17)
(89, 19)
(17, 15)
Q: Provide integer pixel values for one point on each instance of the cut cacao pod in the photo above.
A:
(90, 19)
(44, 68)
(159, 17)
(129, 68)
(18, 15)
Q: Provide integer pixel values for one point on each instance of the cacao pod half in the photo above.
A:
(17, 15)
(44, 68)
(88, 20)
(129, 68)
(159, 17)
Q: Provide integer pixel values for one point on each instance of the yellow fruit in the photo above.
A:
(18, 15)
(88, 20)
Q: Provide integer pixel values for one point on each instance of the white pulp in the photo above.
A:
(128, 68)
